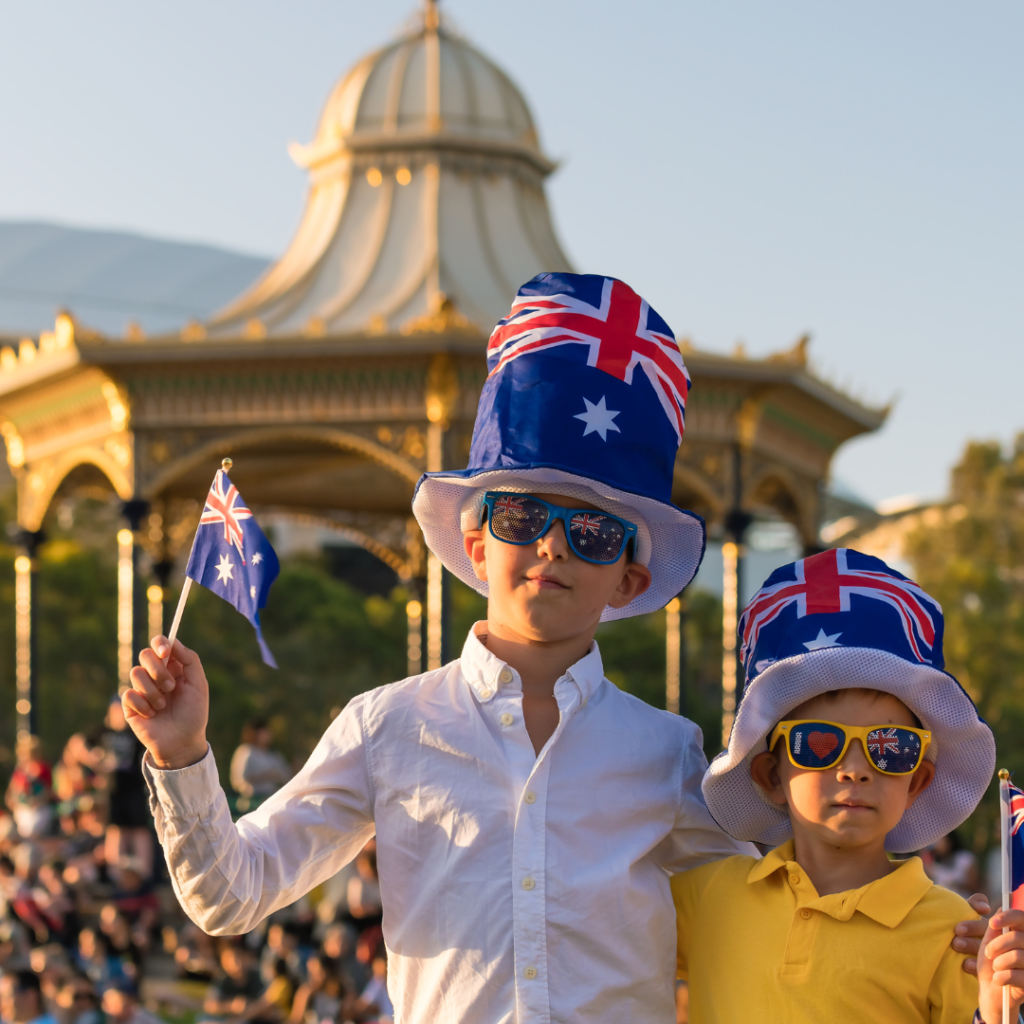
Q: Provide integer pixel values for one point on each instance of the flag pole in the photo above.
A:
(1004, 862)
(226, 465)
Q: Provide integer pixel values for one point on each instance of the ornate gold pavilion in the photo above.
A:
(355, 362)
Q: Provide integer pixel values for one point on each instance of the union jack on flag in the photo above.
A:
(883, 741)
(227, 532)
(1015, 815)
(824, 584)
(221, 507)
(586, 523)
(620, 333)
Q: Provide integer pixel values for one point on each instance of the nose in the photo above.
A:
(553, 544)
(854, 765)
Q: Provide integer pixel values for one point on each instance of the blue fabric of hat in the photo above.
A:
(837, 620)
(586, 396)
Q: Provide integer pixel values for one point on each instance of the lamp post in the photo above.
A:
(26, 663)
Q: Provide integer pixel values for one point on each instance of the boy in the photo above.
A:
(527, 812)
(850, 742)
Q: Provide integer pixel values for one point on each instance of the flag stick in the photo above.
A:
(225, 464)
(1004, 862)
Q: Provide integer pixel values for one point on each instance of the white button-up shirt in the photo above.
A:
(516, 886)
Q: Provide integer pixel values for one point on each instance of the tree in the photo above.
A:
(969, 555)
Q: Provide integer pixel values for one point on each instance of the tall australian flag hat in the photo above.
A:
(837, 620)
(585, 397)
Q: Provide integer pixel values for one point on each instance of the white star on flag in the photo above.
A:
(257, 558)
(224, 567)
(252, 591)
(822, 641)
(598, 419)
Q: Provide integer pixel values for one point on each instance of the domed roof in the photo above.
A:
(426, 208)
(430, 84)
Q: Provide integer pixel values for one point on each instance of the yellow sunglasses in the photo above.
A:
(814, 744)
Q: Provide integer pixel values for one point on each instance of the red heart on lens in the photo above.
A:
(823, 743)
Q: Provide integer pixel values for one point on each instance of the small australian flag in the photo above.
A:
(232, 557)
(1015, 798)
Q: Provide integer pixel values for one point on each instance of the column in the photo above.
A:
(125, 611)
(435, 608)
(157, 596)
(26, 666)
(672, 653)
(414, 637)
(730, 661)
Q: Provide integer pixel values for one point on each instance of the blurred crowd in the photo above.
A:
(90, 930)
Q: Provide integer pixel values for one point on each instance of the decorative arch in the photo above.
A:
(686, 479)
(38, 484)
(775, 487)
(241, 440)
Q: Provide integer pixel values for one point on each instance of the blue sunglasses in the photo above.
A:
(522, 519)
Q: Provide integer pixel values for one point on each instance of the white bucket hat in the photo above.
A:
(840, 620)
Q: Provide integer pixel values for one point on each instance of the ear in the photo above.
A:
(635, 580)
(920, 781)
(764, 770)
(475, 548)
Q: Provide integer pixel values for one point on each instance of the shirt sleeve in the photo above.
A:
(228, 877)
(696, 838)
(953, 996)
(683, 898)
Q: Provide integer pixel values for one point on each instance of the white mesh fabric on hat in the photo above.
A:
(963, 748)
(469, 518)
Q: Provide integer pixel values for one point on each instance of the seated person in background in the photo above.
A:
(21, 999)
(850, 743)
(321, 999)
(238, 990)
(257, 771)
(76, 1002)
(375, 1004)
(121, 1004)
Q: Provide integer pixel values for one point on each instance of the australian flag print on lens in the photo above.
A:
(232, 557)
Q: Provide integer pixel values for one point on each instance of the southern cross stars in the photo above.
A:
(598, 418)
(257, 558)
(822, 640)
(224, 567)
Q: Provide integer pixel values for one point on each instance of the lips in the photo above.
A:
(547, 582)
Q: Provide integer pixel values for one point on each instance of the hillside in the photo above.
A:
(108, 278)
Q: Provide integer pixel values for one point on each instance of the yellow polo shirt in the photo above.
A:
(757, 943)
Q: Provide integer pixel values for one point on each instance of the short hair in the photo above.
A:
(25, 981)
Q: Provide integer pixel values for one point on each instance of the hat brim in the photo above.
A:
(963, 748)
(677, 537)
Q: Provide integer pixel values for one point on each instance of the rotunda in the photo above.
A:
(356, 361)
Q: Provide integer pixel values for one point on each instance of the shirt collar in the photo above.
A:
(886, 900)
(487, 674)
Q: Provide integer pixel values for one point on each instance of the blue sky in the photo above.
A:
(755, 170)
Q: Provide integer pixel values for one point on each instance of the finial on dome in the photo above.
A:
(431, 15)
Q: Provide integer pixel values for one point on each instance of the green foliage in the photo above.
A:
(970, 557)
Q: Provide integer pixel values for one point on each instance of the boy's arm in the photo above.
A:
(229, 877)
(697, 838)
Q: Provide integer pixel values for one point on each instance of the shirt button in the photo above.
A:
(485, 694)
(507, 719)
(530, 973)
(528, 884)
(531, 797)
(805, 914)
(505, 676)
(794, 879)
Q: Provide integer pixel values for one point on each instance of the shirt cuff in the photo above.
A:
(183, 792)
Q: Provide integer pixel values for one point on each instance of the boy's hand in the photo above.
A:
(970, 933)
(1001, 963)
(168, 705)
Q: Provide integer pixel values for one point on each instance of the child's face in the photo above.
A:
(852, 804)
(543, 592)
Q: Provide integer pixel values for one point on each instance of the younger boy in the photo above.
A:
(850, 742)
(527, 812)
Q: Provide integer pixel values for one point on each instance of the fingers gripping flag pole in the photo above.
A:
(230, 556)
(1011, 849)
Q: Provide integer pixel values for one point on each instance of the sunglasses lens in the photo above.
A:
(517, 519)
(596, 536)
(894, 750)
(816, 744)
